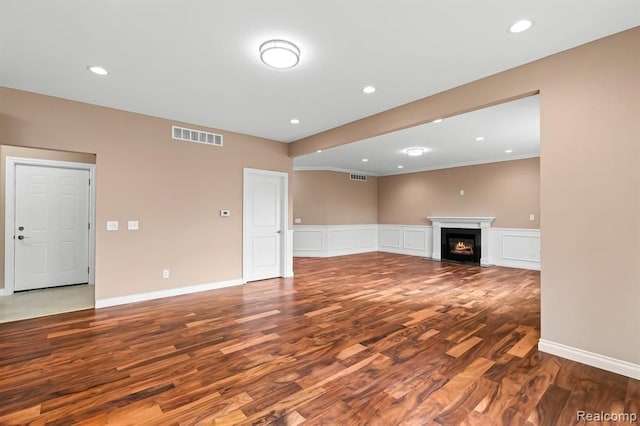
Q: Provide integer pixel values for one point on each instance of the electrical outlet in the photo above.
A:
(165, 273)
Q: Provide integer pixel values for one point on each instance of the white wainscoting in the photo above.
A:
(511, 247)
(515, 248)
(334, 240)
(415, 240)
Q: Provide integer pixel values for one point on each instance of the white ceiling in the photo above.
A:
(511, 126)
(197, 61)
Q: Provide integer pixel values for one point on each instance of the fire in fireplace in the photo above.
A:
(463, 248)
(461, 245)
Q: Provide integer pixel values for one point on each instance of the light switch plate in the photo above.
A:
(133, 225)
(112, 225)
(532, 217)
(225, 213)
(297, 220)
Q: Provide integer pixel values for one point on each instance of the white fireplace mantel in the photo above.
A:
(482, 223)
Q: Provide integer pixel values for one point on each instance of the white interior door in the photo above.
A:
(51, 226)
(264, 226)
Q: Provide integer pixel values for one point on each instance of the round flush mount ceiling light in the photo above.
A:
(97, 70)
(364, 160)
(415, 152)
(369, 89)
(279, 54)
(480, 138)
(508, 151)
(401, 167)
(437, 120)
(294, 121)
(520, 26)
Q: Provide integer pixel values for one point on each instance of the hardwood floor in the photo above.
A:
(378, 339)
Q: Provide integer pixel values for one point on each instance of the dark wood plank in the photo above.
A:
(374, 339)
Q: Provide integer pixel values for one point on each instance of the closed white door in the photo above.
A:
(264, 226)
(51, 227)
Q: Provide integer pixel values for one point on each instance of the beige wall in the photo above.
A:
(589, 106)
(331, 198)
(508, 190)
(175, 189)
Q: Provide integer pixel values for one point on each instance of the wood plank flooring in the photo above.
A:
(376, 339)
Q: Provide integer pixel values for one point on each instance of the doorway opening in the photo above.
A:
(49, 236)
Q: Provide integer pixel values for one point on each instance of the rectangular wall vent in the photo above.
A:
(191, 135)
(361, 178)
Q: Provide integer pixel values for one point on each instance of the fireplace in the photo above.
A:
(457, 224)
(461, 245)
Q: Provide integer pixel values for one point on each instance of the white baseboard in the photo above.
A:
(534, 266)
(418, 253)
(141, 297)
(344, 252)
(589, 358)
(331, 253)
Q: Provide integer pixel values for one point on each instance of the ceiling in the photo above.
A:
(477, 137)
(197, 61)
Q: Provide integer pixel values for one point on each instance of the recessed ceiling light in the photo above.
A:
(508, 151)
(415, 152)
(97, 70)
(364, 160)
(480, 138)
(319, 150)
(294, 121)
(401, 167)
(438, 120)
(369, 89)
(520, 26)
(279, 54)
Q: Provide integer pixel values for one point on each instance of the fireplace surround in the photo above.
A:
(456, 222)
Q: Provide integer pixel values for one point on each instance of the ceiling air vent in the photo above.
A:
(191, 135)
(361, 178)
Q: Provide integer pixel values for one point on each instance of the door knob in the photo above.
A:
(21, 228)
(22, 237)
(277, 232)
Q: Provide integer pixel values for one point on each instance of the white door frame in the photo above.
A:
(9, 214)
(284, 217)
